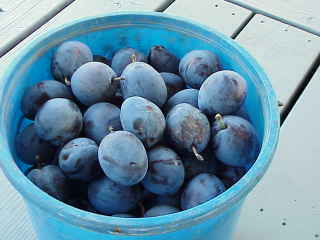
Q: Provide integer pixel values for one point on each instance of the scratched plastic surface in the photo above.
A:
(215, 219)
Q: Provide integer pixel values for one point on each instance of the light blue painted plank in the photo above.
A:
(20, 17)
(285, 52)
(15, 223)
(221, 15)
(300, 13)
(289, 192)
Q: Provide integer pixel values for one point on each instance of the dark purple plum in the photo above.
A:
(124, 57)
(78, 159)
(194, 167)
(51, 180)
(123, 158)
(223, 92)
(235, 141)
(242, 112)
(144, 119)
(161, 210)
(58, 121)
(35, 96)
(231, 175)
(33, 150)
(94, 82)
(173, 82)
(100, 119)
(188, 129)
(153, 200)
(123, 215)
(102, 59)
(68, 58)
(185, 96)
(166, 172)
(201, 189)
(78, 195)
(111, 198)
(163, 60)
(140, 79)
(196, 66)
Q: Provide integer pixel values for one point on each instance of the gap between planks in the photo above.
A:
(24, 34)
(275, 17)
(300, 89)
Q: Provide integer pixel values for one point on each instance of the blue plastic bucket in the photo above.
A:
(215, 219)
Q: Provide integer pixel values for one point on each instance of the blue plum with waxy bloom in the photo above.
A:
(196, 66)
(235, 141)
(143, 118)
(123, 158)
(223, 92)
(110, 198)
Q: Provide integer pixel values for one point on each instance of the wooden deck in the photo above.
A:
(284, 36)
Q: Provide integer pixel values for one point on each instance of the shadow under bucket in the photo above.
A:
(215, 219)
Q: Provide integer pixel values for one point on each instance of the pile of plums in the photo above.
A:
(138, 135)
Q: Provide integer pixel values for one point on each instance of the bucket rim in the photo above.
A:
(154, 225)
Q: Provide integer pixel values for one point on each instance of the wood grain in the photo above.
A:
(20, 17)
(286, 53)
(286, 203)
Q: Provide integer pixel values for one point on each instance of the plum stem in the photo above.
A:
(280, 104)
(133, 58)
(67, 81)
(111, 129)
(118, 78)
(195, 152)
(218, 117)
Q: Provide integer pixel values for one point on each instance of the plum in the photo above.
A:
(188, 129)
(123, 158)
(185, 96)
(123, 57)
(144, 119)
(196, 66)
(163, 60)
(160, 210)
(58, 121)
(166, 172)
(78, 159)
(222, 92)
(140, 79)
(200, 189)
(234, 141)
(173, 82)
(94, 82)
(100, 119)
(38, 94)
(69, 56)
(110, 198)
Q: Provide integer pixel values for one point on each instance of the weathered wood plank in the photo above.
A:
(15, 224)
(20, 17)
(221, 15)
(303, 14)
(286, 203)
(286, 53)
(82, 8)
